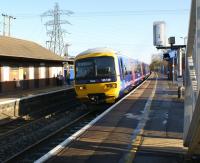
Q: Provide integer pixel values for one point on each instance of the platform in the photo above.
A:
(10, 100)
(5, 97)
(148, 120)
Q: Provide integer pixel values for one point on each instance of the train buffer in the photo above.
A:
(146, 126)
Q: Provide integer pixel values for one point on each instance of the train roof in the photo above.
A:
(103, 50)
(97, 50)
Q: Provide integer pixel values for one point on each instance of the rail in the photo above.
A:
(192, 82)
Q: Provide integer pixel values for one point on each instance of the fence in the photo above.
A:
(192, 82)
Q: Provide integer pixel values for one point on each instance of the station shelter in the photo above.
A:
(27, 65)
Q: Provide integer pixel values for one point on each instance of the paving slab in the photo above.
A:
(162, 137)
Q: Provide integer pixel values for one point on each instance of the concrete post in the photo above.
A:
(198, 42)
(173, 69)
(179, 57)
(180, 73)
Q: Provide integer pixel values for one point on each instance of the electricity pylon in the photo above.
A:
(54, 30)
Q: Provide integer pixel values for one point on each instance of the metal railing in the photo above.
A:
(192, 82)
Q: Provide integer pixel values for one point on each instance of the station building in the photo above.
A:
(27, 65)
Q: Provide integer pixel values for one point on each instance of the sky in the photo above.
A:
(123, 25)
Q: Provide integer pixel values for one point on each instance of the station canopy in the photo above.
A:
(18, 48)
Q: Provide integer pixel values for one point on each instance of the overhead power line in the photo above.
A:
(115, 13)
(132, 12)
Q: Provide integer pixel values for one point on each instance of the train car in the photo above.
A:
(71, 72)
(102, 75)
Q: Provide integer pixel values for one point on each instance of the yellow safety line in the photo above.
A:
(138, 139)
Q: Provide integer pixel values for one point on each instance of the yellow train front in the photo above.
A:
(102, 75)
(96, 76)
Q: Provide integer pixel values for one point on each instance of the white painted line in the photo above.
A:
(40, 94)
(9, 101)
(62, 145)
(141, 124)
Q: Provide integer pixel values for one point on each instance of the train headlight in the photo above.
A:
(111, 85)
(82, 87)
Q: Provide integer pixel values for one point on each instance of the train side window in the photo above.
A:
(125, 66)
(122, 67)
(125, 70)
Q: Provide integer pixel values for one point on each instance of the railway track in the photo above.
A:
(12, 125)
(18, 134)
(36, 140)
(56, 136)
(19, 124)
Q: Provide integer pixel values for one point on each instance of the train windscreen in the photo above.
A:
(95, 70)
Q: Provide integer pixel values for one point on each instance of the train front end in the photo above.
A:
(96, 77)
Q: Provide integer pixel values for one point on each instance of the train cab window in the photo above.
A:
(96, 69)
(105, 67)
(84, 69)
